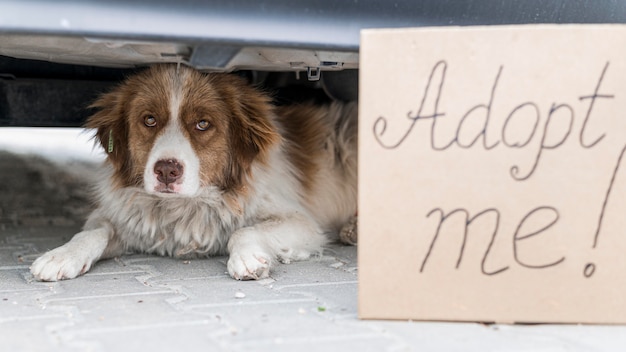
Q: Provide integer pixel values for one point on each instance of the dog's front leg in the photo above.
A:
(73, 258)
(254, 249)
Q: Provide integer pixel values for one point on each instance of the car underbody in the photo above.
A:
(57, 56)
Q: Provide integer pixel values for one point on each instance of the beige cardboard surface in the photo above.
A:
(491, 180)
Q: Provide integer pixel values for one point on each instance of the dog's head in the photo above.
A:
(174, 130)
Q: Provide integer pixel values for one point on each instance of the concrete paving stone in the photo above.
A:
(21, 305)
(11, 255)
(165, 268)
(356, 343)
(461, 337)
(336, 298)
(26, 243)
(98, 286)
(103, 318)
(31, 335)
(156, 337)
(285, 321)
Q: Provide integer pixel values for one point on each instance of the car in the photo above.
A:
(57, 56)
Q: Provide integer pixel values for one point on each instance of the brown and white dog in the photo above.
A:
(203, 164)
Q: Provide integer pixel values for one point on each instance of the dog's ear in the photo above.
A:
(252, 134)
(112, 131)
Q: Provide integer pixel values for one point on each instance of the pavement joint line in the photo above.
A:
(46, 289)
(248, 303)
(141, 327)
(269, 281)
(66, 299)
(295, 340)
(140, 259)
(16, 319)
(15, 267)
(13, 246)
(114, 273)
(176, 301)
(347, 317)
(280, 287)
(197, 278)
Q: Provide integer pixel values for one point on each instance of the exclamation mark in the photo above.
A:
(590, 268)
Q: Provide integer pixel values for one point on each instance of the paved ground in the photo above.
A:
(145, 303)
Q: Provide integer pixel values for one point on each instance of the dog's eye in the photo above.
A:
(150, 121)
(203, 125)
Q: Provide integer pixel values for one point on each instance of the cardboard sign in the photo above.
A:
(492, 180)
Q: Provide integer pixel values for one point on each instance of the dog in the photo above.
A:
(202, 164)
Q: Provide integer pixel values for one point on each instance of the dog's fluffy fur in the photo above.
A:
(203, 164)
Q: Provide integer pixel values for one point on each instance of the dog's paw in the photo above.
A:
(249, 265)
(349, 233)
(59, 264)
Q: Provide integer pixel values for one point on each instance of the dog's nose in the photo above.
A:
(168, 171)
